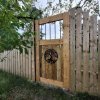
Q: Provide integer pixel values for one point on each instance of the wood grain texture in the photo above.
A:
(72, 48)
(51, 42)
(66, 61)
(51, 82)
(93, 51)
(85, 51)
(78, 49)
(98, 57)
(51, 18)
(37, 52)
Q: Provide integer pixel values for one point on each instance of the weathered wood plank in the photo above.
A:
(43, 63)
(18, 62)
(93, 51)
(78, 49)
(85, 51)
(51, 18)
(52, 82)
(98, 57)
(23, 64)
(37, 52)
(33, 50)
(66, 51)
(51, 42)
(27, 64)
(59, 63)
(30, 63)
(72, 48)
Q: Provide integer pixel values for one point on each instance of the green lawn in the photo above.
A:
(16, 88)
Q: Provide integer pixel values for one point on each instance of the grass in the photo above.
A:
(17, 88)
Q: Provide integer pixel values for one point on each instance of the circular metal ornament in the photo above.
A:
(51, 56)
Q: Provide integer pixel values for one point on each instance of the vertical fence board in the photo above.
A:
(85, 51)
(72, 48)
(66, 51)
(78, 49)
(33, 61)
(18, 62)
(21, 66)
(99, 57)
(59, 63)
(43, 62)
(93, 53)
(37, 52)
(27, 64)
(30, 63)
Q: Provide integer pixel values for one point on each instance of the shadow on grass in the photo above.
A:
(17, 88)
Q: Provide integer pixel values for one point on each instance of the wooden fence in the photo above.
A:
(17, 63)
(84, 51)
(84, 54)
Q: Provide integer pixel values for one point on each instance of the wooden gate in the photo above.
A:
(52, 50)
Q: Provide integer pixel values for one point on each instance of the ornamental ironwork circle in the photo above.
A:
(51, 56)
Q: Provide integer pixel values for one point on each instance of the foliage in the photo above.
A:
(16, 88)
(65, 5)
(15, 15)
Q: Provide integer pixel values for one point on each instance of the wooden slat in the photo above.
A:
(85, 51)
(14, 61)
(6, 63)
(30, 63)
(66, 60)
(43, 63)
(47, 65)
(37, 51)
(58, 49)
(33, 56)
(23, 64)
(11, 60)
(52, 82)
(51, 18)
(72, 48)
(18, 61)
(27, 64)
(51, 69)
(99, 57)
(78, 49)
(51, 42)
(93, 51)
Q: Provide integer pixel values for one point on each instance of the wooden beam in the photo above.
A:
(51, 82)
(51, 42)
(51, 19)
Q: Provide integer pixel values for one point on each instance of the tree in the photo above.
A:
(65, 5)
(16, 14)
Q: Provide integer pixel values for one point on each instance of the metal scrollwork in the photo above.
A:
(51, 56)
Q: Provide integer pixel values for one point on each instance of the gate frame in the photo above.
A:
(66, 51)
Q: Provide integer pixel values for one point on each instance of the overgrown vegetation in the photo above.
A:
(16, 88)
(16, 20)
